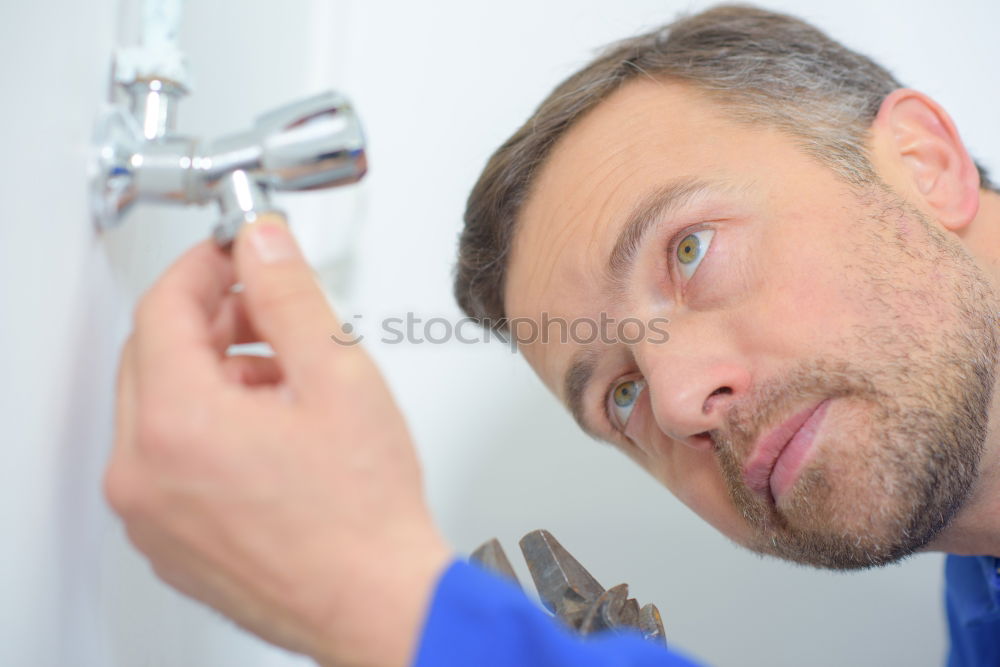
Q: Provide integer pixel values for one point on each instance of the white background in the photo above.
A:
(439, 85)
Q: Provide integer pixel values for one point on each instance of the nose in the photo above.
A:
(692, 380)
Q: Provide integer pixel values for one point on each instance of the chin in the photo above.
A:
(854, 521)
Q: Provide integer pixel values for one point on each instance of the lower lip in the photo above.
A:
(793, 457)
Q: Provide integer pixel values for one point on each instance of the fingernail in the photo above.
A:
(272, 241)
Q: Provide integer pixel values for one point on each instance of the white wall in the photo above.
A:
(72, 591)
(438, 85)
(58, 332)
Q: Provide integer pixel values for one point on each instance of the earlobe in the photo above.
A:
(921, 140)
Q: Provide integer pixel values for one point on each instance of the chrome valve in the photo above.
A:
(310, 144)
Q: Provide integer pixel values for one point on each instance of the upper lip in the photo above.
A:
(767, 449)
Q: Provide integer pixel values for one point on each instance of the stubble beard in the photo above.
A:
(900, 447)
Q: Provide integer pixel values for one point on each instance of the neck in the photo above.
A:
(975, 530)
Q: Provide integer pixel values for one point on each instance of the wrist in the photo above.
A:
(383, 626)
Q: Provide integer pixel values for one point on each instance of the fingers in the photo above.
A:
(174, 340)
(286, 305)
(231, 325)
(251, 371)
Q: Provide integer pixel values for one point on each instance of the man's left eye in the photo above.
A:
(691, 250)
(623, 398)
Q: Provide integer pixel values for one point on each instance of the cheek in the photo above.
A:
(813, 291)
(694, 477)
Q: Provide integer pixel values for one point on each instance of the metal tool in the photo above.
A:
(570, 592)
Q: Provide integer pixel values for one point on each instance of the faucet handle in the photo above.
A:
(301, 111)
(309, 144)
(312, 143)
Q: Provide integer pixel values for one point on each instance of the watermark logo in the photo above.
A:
(519, 331)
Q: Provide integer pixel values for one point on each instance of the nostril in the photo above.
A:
(707, 405)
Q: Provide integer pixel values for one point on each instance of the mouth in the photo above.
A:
(778, 457)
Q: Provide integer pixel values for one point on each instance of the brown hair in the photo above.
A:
(762, 67)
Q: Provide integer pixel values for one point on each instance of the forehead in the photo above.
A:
(646, 134)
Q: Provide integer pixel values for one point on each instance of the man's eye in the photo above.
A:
(691, 250)
(623, 398)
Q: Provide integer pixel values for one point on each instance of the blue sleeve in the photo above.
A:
(477, 618)
(972, 599)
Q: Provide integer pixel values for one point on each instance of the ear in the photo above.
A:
(920, 141)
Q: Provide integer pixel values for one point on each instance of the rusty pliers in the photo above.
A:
(569, 592)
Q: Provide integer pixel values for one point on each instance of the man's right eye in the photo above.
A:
(623, 398)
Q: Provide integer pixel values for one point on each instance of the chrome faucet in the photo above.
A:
(309, 144)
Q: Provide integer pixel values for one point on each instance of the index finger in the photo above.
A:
(173, 321)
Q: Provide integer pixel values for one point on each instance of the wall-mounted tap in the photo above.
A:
(310, 144)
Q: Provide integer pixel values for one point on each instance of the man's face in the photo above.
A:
(823, 392)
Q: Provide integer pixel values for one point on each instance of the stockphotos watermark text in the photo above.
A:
(518, 331)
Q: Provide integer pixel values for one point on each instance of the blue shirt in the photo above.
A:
(972, 598)
(479, 619)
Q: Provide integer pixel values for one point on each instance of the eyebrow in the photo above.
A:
(640, 221)
(578, 376)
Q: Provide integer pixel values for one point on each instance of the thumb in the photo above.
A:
(284, 302)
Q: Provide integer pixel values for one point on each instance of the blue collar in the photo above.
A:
(973, 587)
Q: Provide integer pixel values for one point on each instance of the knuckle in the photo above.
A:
(139, 538)
(157, 433)
(121, 490)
